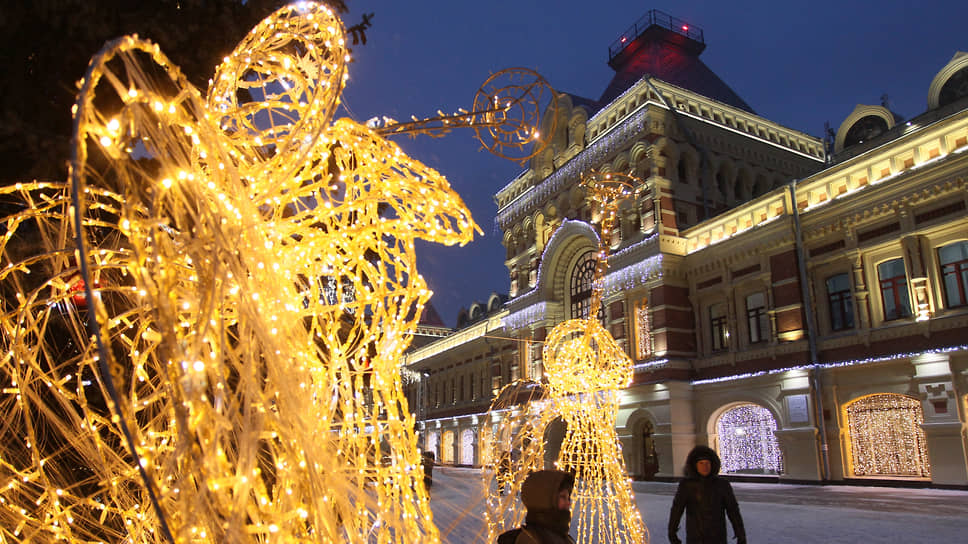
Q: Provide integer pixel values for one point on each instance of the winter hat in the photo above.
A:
(540, 489)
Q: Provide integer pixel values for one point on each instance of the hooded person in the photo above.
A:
(547, 496)
(707, 500)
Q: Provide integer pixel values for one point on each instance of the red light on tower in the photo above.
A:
(685, 28)
(623, 39)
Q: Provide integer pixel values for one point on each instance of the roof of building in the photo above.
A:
(668, 49)
(590, 105)
(430, 316)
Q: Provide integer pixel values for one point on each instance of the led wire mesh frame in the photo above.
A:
(246, 264)
(585, 369)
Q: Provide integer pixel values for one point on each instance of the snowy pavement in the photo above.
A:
(773, 513)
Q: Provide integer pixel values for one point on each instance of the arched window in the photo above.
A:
(867, 128)
(467, 447)
(956, 87)
(886, 437)
(722, 184)
(433, 443)
(581, 285)
(747, 441)
(682, 170)
(743, 188)
(761, 186)
(447, 450)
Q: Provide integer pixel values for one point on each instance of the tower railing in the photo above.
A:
(654, 17)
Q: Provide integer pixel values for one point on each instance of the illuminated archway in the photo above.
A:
(433, 443)
(885, 437)
(447, 448)
(467, 447)
(747, 441)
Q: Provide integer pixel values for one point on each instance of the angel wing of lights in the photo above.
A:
(245, 262)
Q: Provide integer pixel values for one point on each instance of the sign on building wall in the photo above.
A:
(797, 409)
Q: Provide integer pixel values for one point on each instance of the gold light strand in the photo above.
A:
(249, 266)
(249, 262)
(643, 330)
(506, 117)
(585, 369)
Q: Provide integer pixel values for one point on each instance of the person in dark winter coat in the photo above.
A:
(707, 500)
(547, 496)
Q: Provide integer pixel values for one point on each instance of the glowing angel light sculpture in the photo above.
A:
(246, 264)
(585, 369)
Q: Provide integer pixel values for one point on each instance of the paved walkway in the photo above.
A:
(773, 513)
(940, 502)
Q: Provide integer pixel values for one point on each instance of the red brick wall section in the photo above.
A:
(783, 269)
(672, 317)
(676, 341)
(789, 320)
(786, 294)
(783, 266)
(671, 295)
(616, 310)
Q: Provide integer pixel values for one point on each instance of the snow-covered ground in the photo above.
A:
(773, 513)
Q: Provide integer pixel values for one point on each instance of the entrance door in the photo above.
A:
(650, 458)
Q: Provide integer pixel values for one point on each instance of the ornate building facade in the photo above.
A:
(802, 310)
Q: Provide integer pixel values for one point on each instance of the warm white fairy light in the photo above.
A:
(886, 438)
(585, 368)
(250, 265)
(643, 330)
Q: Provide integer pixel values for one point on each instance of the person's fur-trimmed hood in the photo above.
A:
(697, 454)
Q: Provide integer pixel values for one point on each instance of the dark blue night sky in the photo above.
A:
(796, 63)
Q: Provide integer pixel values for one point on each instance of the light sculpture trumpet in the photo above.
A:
(245, 262)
